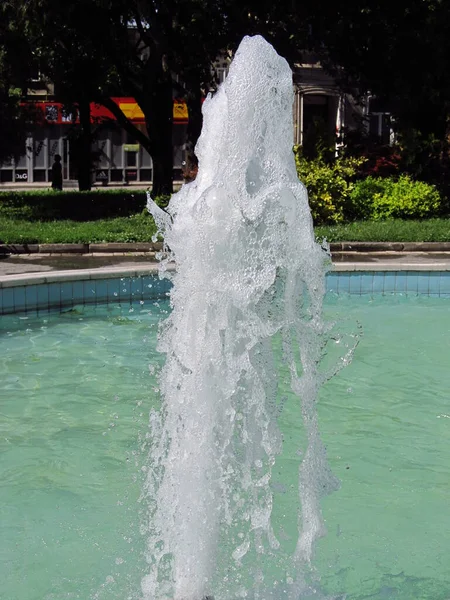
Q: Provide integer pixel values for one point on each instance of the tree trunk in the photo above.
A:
(194, 128)
(162, 158)
(84, 147)
(158, 111)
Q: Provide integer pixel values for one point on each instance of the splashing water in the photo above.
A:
(249, 276)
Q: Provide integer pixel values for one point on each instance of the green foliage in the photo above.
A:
(359, 204)
(12, 138)
(335, 196)
(14, 62)
(96, 49)
(78, 206)
(378, 199)
(329, 185)
(407, 199)
(384, 48)
(163, 200)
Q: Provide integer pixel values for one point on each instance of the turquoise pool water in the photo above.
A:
(75, 392)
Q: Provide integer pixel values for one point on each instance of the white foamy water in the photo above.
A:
(249, 275)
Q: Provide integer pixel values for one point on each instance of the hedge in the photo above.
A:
(335, 196)
(47, 205)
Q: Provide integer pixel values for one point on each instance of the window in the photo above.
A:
(380, 126)
(221, 70)
(35, 71)
(380, 121)
(221, 74)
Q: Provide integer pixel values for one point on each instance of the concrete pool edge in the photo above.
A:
(63, 290)
(21, 279)
(138, 270)
(392, 265)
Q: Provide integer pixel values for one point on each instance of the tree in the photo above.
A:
(172, 51)
(161, 50)
(13, 132)
(91, 49)
(151, 50)
(15, 122)
(155, 50)
(399, 52)
(63, 38)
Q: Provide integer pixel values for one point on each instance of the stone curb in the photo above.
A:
(130, 247)
(156, 246)
(390, 247)
(63, 248)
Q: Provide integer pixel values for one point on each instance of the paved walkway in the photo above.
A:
(18, 265)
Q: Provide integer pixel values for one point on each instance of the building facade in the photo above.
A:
(319, 99)
(118, 159)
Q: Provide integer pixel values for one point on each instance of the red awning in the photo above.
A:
(55, 113)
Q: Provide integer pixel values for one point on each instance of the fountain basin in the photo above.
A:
(75, 416)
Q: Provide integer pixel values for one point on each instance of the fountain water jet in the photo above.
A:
(249, 274)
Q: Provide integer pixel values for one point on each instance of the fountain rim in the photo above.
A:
(64, 289)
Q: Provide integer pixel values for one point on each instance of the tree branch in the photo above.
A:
(126, 123)
(144, 34)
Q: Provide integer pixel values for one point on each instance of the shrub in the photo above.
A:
(329, 184)
(361, 199)
(381, 160)
(385, 162)
(408, 199)
(379, 199)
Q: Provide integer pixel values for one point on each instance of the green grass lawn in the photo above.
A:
(136, 228)
(140, 228)
(431, 230)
